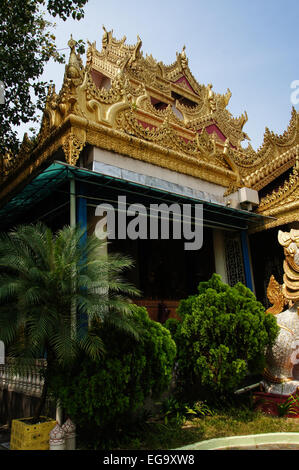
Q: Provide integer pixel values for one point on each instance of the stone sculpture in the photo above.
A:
(280, 375)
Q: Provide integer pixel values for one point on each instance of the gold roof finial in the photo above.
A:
(74, 65)
(184, 60)
(72, 43)
(226, 146)
(105, 38)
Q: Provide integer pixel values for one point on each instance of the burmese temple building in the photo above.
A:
(127, 131)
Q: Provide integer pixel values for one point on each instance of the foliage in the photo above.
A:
(105, 396)
(27, 43)
(201, 408)
(232, 421)
(174, 411)
(46, 281)
(289, 406)
(221, 338)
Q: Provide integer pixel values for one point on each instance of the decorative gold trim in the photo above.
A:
(72, 146)
(289, 291)
(274, 156)
(277, 380)
(276, 297)
(287, 329)
(108, 104)
(282, 203)
(125, 144)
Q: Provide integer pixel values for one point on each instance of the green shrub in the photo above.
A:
(221, 338)
(102, 398)
(174, 411)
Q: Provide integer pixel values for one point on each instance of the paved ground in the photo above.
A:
(4, 446)
(5, 435)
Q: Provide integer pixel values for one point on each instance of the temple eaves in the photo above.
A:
(124, 102)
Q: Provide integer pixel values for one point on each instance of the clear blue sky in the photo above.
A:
(250, 47)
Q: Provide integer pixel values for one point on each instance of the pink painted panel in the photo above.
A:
(146, 125)
(184, 80)
(213, 128)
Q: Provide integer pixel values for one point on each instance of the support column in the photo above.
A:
(82, 212)
(219, 254)
(73, 203)
(247, 260)
(82, 223)
(73, 221)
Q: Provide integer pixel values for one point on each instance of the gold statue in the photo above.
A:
(283, 356)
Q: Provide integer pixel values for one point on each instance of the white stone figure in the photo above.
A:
(282, 357)
(69, 429)
(280, 376)
(57, 438)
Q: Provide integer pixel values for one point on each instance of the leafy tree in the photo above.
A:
(221, 337)
(50, 284)
(104, 397)
(26, 45)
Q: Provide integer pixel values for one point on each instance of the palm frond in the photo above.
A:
(43, 274)
(92, 345)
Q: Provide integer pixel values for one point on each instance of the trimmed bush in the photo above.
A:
(105, 395)
(222, 337)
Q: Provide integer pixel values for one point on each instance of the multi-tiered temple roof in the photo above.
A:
(124, 102)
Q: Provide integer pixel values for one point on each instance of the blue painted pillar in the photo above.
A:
(246, 260)
(82, 211)
(81, 219)
(72, 202)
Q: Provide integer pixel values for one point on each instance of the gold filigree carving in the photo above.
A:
(289, 135)
(288, 293)
(275, 155)
(167, 113)
(275, 296)
(205, 144)
(110, 96)
(11, 162)
(165, 136)
(290, 242)
(283, 204)
(179, 129)
(126, 143)
(74, 68)
(286, 193)
(72, 147)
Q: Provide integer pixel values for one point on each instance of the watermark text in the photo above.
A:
(158, 221)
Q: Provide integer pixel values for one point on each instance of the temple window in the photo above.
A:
(100, 80)
(176, 112)
(276, 184)
(160, 105)
(183, 100)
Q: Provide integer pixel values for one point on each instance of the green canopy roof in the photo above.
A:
(59, 173)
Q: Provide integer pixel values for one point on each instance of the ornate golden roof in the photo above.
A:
(276, 155)
(136, 106)
(283, 202)
(288, 292)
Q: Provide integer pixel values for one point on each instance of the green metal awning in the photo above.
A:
(58, 173)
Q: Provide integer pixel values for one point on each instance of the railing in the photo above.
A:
(29, 383)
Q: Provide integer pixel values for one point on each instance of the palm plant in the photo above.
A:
(54, 289)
